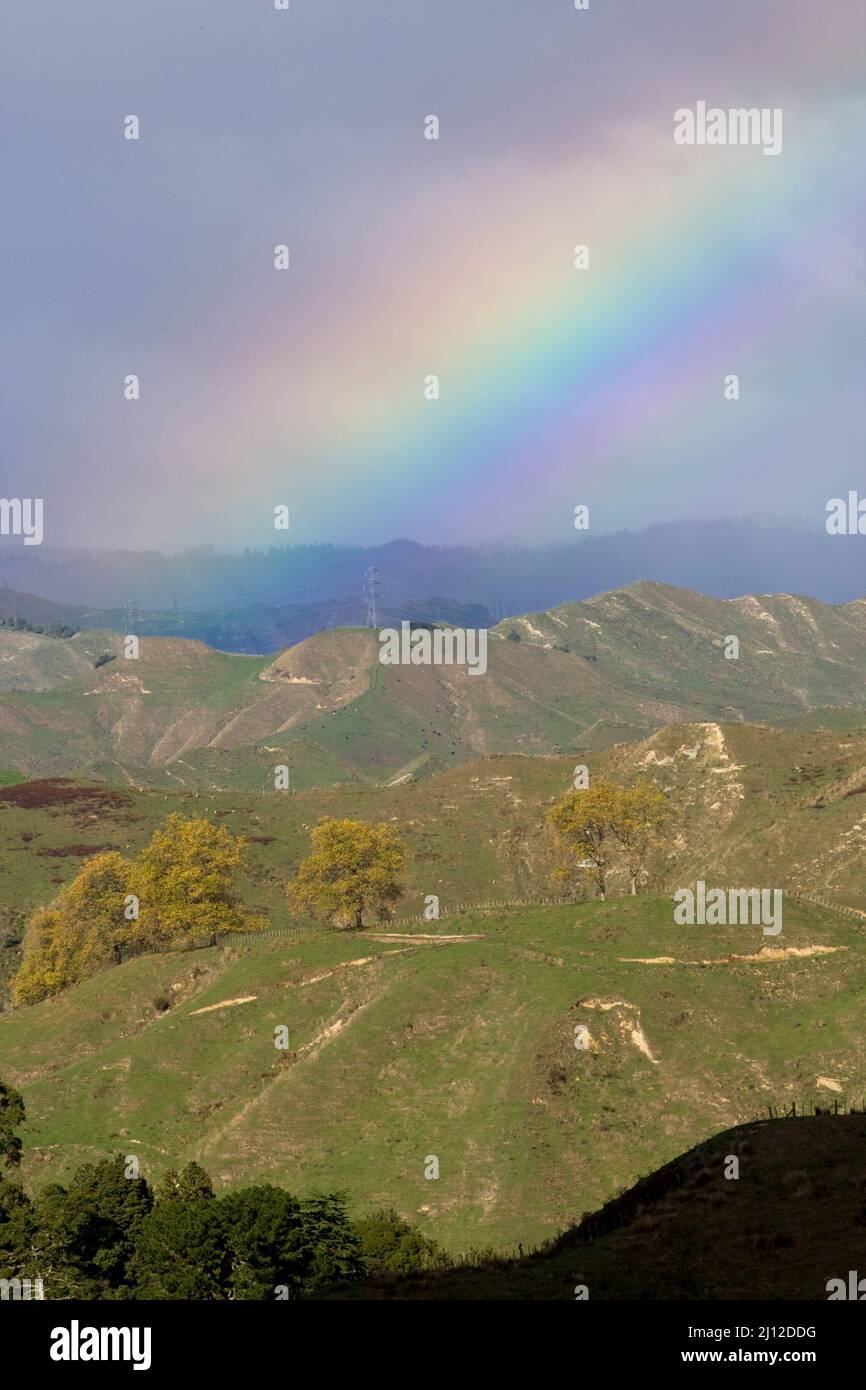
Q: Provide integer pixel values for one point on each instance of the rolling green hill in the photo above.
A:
(578, 678)
(754, 805)
(454, 1039)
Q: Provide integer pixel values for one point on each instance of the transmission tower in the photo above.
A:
(370, 595)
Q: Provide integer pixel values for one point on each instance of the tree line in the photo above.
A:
(109, 1234)
(53, 629)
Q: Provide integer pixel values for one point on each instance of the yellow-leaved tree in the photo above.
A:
(355, 867)
(593, 826)
(78, 931)
(180, 890)
(184, 880)
(583, 826)
(643, 815)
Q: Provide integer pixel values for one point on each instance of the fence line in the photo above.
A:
(478, 906)
(851, 913)
(799, 1109)
(311, 928)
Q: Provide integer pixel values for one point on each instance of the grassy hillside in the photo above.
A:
(456, 1038)
(755, 806)
(580, 677)
(405, 1045)
(792, 1221)
(472, 833)
(759, 805)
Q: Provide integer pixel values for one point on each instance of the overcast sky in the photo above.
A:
(411, 258)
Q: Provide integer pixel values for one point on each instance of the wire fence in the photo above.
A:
(312, 928)
(799, 1109)
(479, 906)
(852, 913)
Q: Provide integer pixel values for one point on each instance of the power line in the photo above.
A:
(370, 595)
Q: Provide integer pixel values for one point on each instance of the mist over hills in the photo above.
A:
(720, 558)
(257, 629)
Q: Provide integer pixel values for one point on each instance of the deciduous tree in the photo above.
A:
(641, 818)
(185, 881)
(354, 867)
(180, 889)
(68, 939)
(583, 826)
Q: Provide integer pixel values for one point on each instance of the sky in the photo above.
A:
(411, 258)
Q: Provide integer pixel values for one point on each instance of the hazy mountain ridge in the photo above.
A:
(582, 676)
(719, 557)
(251, 630)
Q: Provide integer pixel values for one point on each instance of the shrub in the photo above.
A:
(388, 1243)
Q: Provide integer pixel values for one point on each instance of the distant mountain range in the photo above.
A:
(256, 629)
(263, 598)
(578, 677)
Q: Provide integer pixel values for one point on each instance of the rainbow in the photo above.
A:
(553, 381)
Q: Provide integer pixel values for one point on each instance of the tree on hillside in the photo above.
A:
(354, 868)
(245, 1245)
(390, 1243)
(583, 826)
(89, 1229)
(191, 1184)
(593, 824)
(15, 1227)
(642, 816)
(265, 1231)
(180, 889)
(77, 932)
(108, 1236)
(181, 1252)
(185, 881)
(331, 1246)
(16, 1241)
(11, 1115)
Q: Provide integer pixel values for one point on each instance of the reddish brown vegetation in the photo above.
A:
(62, 791)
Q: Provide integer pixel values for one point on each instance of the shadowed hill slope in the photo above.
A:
(792, 1221)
